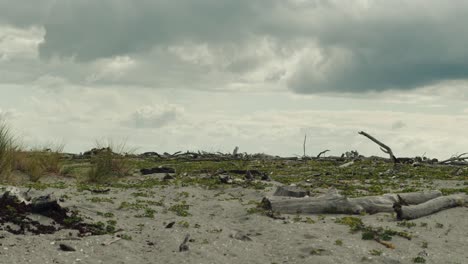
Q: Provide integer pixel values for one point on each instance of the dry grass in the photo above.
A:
(109, 163)
(37, 163)
(8, 149)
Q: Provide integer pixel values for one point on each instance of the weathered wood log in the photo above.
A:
(429, 207)
(291, 191)
(334, 203)
(386, 149)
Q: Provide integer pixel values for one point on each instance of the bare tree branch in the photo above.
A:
(383, 147)
(456, 158)
(323, 152)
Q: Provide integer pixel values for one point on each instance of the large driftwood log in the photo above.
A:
(334, 203)
(386, 149)
(430, 207)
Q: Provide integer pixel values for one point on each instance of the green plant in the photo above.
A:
(126, 237)
(180, 209)
(339, 242)
(37, 162)
(419, 260)
(406, 224)
(317, 251)
(184, 224)
(375, 252)
(148, 212)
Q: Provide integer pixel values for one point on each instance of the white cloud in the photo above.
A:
(18, 43)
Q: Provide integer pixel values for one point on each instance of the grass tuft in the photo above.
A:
(8, 149)
(109, 163)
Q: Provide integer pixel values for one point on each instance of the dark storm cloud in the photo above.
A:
(91, 29)
(363, 45)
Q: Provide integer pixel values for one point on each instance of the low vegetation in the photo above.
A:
(108, 163)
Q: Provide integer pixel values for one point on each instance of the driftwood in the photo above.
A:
(323, 152)
(334, 203)
(304, 146)
(291, 191)
(456, 159)
(406, 205)
(429, 207)
(386, 149)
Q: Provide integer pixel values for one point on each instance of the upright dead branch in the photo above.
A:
(323, 152)
(304, 145)
(383, 147)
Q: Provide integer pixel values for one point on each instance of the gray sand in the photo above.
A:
(222, 231)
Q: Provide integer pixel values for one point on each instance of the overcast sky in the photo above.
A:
(168, 75)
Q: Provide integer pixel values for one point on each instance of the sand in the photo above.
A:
(223, 231)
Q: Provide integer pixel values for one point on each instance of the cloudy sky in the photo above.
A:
(168, 75)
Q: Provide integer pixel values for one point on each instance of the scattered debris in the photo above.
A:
(65, 247)
(16, 206)
(159, 169)
(168, 177)
(110, 242)
(170, 225)
(225, 178)
(240, 236)
(347, 164)
(184, 246)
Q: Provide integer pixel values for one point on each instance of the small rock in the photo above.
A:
(65, 247)
(240, 236)
(248, 176)
(170, 225)
(265, 177)
(225, 178)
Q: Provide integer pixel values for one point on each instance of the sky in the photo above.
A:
(169, 75)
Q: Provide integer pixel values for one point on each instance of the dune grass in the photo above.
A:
(110, 162)
(39, 162)
(35, 163)
(8, 148)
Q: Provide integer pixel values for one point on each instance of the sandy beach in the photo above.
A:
(225, 227)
